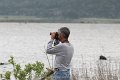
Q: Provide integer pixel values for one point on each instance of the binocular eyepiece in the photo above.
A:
(50, 33)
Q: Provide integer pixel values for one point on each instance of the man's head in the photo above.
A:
(64, 33)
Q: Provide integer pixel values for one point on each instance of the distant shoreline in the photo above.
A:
(55, 20)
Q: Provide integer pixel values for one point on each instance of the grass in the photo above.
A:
(102, 70)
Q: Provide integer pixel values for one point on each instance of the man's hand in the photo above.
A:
(53, 35)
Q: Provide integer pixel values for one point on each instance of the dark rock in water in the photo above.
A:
(1, 63)
(4, 63)
(102, 57)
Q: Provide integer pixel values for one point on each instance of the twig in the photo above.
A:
(47, 58)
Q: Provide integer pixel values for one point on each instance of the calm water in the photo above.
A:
(27, 42)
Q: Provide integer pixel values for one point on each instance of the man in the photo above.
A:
(63, 51)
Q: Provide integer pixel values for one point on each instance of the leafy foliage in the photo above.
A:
(26, 73)
(7, 75)
(38, 68)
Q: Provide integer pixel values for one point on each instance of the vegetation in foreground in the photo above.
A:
(33, 71)
(103, 70)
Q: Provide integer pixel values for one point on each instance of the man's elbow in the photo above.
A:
(48, 51)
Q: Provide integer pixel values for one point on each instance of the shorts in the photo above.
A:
(61, 75)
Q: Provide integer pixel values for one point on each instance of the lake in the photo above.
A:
(27, 41)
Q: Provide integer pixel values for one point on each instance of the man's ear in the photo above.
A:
(63, 35)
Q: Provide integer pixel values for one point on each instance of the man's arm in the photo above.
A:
(53, 49)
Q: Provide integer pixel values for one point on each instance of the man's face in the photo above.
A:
(61, 36)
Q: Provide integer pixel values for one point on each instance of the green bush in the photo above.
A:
(7, 75)
(36, 68)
